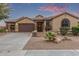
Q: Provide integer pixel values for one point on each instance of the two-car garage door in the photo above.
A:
(26, 27)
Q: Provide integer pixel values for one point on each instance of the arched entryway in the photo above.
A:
(65, 23)
(40, 26)
(39, 20)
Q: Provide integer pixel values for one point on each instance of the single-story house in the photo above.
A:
(41, 23)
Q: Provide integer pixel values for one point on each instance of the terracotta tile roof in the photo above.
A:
(10, 20)
(23, 18)
(15, 20)
(71, 14)
(40, 17)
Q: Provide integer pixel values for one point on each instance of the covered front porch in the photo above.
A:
(41, 24)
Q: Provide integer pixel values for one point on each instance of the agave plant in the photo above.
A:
(50, 35)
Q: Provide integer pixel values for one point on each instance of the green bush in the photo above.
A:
(75, 30)
(64, 30)
(50, 35)
(2, 30)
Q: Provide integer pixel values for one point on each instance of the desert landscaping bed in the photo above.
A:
(40, 43)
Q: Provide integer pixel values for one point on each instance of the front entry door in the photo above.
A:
(39, 26)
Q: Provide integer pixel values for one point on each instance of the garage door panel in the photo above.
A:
(26, 27)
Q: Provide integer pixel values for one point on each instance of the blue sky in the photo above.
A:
(46, 9)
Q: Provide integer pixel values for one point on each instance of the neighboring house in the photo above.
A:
(40, 23)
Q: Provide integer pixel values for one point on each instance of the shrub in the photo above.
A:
(64, 30)
(2, 30)
(50, 35)
(75, 30)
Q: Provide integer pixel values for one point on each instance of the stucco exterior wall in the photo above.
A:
(22, 21)
(56, 22)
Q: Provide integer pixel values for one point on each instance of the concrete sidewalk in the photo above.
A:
(52, 53)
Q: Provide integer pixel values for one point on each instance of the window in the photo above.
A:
(65, 23)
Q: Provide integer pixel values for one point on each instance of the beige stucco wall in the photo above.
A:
(56, 22)
(22, 21)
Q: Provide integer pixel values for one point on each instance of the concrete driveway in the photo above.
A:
(13, 43)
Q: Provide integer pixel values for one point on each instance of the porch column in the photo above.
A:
(16, 27)
(9, 27)
(36, 26)
(44, 26)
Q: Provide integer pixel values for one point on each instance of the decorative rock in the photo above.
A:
(67, 38)
(57, 40)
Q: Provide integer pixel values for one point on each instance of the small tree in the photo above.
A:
(4, 11)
